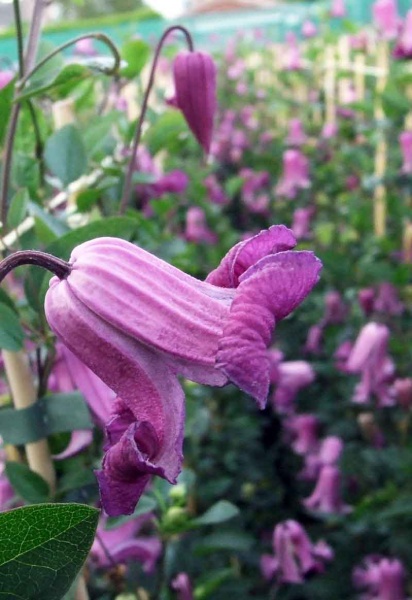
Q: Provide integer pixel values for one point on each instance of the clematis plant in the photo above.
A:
(151, 322)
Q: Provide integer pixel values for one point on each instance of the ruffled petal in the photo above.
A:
(247, 253)
(268, 292)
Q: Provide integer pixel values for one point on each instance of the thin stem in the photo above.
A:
(7, 158)
(34, 35)
(39, 147)
(24, 65)
(19, 34)
(98, 36)
(138, 134)
(59, 267)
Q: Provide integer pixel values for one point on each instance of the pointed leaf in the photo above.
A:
(42, 548)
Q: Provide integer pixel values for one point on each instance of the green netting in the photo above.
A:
(209, 29)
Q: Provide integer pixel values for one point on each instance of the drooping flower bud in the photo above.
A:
(195, 93)
(385, 18)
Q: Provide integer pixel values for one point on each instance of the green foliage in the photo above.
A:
(43, 548)
(65, 154)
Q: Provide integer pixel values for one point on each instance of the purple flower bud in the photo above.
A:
(195, 88)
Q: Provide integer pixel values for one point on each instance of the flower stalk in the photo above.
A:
(138, 134)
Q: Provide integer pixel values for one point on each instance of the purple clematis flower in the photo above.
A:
(294, 555)
(137, 322)
(182, 585)
(380, 578)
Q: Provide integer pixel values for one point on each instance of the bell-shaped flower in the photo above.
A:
(294, 556)
(194, 76)
(296, 135)
(369, 357)
(387, 300)
(326, 497)
(327, 453)
(292, 377)
(301, 223)
(386, 18)
(197, 230)
(292, 58)
(366, 299)
(380, 578)
(305, 431)
(122, 544)
(295, 174)
(183, 586)
(403, 391)
(405, 141)
(137, 322)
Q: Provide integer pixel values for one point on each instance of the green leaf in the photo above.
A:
(27, 484)
(6, 100)
(11, 332)
(42, 548)
(136, 53)
(225, 540)
(18, 208)
(54, 226)
(164, 134)
(61, 84)
(218, 513)
(65, 154)
(87, 199)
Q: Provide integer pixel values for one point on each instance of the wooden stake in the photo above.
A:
(24, 395)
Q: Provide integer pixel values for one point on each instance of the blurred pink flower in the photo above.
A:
(301, 222)
(326, 497)
(305, 431)
(338, 9)
(380, 578)
(387, 300)
(292, 59)
(296, 135)
(182, 585)
(197, 230)
(122, 544)
(405, 141)
(386, 18)
(295, 174)
(370, 358)
(294, 555)
(309, 29)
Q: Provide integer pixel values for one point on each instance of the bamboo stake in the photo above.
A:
(407, 243)
(359, 76)
(24, 395)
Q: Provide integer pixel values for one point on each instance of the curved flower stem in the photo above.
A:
(7, 157)
(59, 267)
(98, 36)
(19, 35)
(138, 134)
